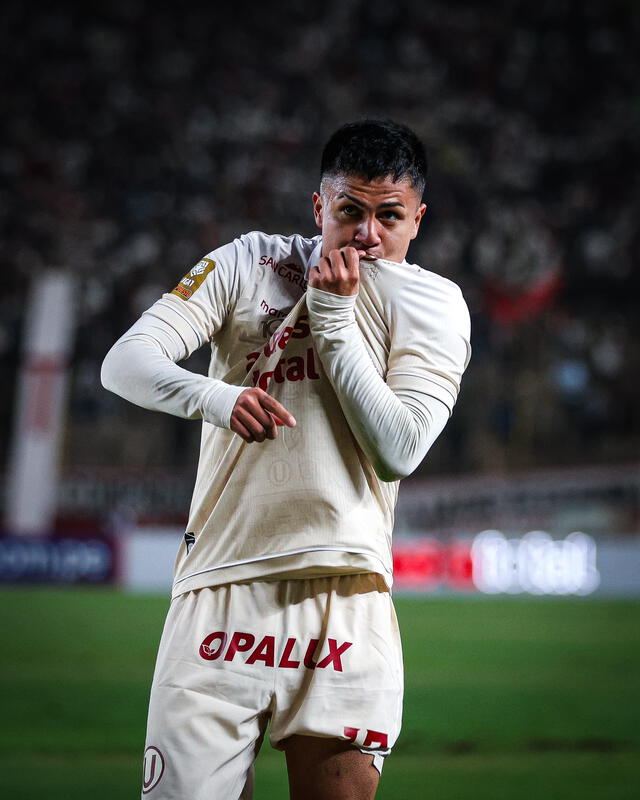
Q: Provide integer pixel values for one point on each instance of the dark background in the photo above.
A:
(135, 139)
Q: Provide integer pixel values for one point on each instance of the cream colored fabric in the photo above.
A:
(317, 657)
(371, 383)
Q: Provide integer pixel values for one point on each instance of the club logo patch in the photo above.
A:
(194, 278)
(153, 769)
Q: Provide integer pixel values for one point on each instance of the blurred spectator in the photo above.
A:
(138, 138)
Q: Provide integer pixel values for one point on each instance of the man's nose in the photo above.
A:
(367, 232)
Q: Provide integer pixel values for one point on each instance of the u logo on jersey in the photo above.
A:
(153, 768)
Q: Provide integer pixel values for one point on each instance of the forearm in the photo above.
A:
(395, 429)
(139, 369)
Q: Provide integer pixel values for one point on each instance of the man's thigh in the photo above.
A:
(329, 769)
(205, 725)
(320, 657)
(343, 678)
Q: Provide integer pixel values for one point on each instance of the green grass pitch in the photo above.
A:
(514, 699)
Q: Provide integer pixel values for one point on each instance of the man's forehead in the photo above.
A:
(374, 190)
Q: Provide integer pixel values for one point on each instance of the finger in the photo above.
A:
(350, 265)
(252, 420)
(278, 411)
(250, 401)
(326, 268)
(255, 427)
(352, 260)
(315, 276)
(319, 274)
(338, 264)
(272, 430)
(258, 420)
(261, 415)
(238, 427)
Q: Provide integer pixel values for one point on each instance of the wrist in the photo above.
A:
(320, 299)
(219, 401)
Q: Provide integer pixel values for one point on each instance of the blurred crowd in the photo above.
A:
(136, 138)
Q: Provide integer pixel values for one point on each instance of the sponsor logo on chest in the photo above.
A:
(266, 652)
(288, 270)
(294, 368)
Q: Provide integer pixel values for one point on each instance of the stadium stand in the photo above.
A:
(137, 138)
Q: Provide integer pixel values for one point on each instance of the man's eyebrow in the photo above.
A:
(385, 204)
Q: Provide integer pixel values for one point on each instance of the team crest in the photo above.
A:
(194, 278)
(153, 768)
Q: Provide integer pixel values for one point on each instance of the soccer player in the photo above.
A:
(335, 364)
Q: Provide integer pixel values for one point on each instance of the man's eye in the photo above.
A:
(350, 211)
(389, 215)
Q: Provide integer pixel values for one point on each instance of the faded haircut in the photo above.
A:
(374, 149)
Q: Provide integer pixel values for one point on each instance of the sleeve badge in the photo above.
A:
(194, 278)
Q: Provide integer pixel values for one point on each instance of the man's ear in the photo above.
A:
(418, 218)
(318, 209)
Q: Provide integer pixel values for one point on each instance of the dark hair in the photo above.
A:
(376, 148)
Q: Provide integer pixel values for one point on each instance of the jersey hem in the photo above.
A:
(285, 566)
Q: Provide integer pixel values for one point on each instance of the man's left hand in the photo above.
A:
(339, 272)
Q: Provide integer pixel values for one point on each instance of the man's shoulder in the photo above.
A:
(278, 247)
(409, 283)
(433, 281)
(425, 298)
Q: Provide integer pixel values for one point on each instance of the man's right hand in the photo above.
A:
(256, 416)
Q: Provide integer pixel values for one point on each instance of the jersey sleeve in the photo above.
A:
(430, 333)
(395, 418)
(142, 365)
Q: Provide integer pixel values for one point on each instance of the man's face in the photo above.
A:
(380, 217)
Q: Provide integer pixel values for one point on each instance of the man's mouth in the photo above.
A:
(368, 256)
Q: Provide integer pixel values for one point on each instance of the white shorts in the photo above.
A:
(318, 657)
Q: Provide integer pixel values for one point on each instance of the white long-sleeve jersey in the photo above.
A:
(371, 380)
